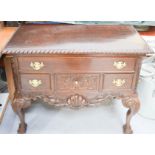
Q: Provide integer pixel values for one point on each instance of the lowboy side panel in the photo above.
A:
(10, 76)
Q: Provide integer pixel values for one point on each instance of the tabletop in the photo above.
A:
(5, 35)
(77, 39)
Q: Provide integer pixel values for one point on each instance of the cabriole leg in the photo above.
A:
(133, 104)
(19, 105)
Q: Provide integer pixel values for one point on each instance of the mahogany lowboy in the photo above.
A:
(74, 65)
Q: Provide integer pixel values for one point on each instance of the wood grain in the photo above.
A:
(5, 35)
(75, 64)
(10, 77)
(73, 77)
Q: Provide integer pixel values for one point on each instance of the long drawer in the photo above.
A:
(76, 64)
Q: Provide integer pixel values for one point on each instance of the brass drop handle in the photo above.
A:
(35, 83)
(36, 65)
(119, 64)
(118, 82)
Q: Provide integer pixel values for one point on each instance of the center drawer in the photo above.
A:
(82, 81)
(55, 64)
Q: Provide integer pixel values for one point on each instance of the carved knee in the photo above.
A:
(21, 103)
(133, 104)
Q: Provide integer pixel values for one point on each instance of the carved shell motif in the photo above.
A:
(77, 101)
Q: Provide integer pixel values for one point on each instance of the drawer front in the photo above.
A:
(118, 81)
(69, 64)
(35, 82)
(68, 82)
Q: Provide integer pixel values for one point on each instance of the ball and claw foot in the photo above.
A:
(127, 129)
(22, 128)
(19, 105)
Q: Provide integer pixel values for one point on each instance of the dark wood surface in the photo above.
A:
(73, 79)
(68, 63)
(77, 39)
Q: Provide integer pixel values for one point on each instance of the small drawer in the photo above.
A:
(35, 82)
(68, 82)
(119, 64)
(118, 81)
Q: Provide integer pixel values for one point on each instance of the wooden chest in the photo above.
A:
(74, 65)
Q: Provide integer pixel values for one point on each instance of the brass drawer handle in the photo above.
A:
(118, 82)
(37, 65)
(119, 64)
(35, 83)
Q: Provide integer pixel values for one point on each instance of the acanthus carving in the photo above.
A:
(21, 103)
(75, 100)
(102, 99)
(131, 102)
